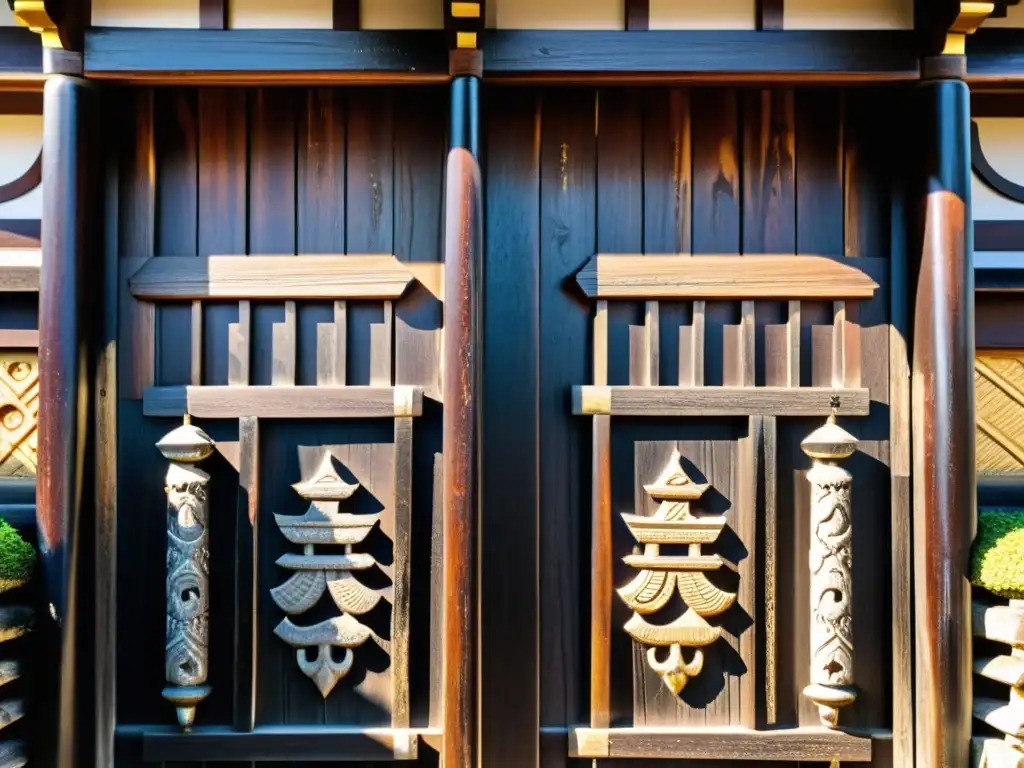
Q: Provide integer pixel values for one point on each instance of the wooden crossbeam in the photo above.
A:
(591, 400)
(271, 277)
(235, 402)
(19, 269)
(628, 276)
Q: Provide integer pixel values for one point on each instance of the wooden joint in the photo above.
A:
(592, 400)
(32, 14)
(408, 401)
(968, 20)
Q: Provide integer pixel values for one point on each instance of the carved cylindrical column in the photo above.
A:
(831, 571)
(188, 575)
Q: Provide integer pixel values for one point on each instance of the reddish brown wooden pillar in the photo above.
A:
(463, 248)
(943, 428)
(66, 296)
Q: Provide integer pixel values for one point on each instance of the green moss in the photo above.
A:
(997, 563)
(17, 558)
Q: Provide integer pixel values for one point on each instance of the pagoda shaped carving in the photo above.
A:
(315, 573)
(660, 575)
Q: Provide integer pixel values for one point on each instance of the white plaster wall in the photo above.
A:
(145, 13)
(273, 14)
(1014, 18)
(6, 17)
(848, 14)
(701, 14)
(559, 14)
(1002, 140)
(21, 137)
(401, 14)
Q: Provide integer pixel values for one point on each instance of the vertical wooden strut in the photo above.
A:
(462, 253)
(65, 340)
(943, 429)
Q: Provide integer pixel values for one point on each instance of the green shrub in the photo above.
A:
(997, 563)
(17, 558)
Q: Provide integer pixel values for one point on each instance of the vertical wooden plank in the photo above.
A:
(716, 208)
(568, 215)
(381, 335)
(510, 667)
(213, 14)
(345, 14)
(601, 575)
(717, 229)
(400, 635)
(463, 246)
(638, 14)
(770, 15)
(667, 183)
(223, 146)
(751, 457)
(239, 334)
(283, 345)
(136, 217)
(370, 215)
(176, 226)
(769, 595)
(246, 574)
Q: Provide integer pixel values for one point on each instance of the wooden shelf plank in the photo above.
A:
(1002, 623)
(627, 276)
(270, 277)
(723, 743)
(592, 400)
(303, 743)
(1002, 669)
(19, 269)
(235, 402)
(1001, 715)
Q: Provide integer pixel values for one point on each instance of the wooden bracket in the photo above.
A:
(33, 14)
(968, 20)
(464, 24)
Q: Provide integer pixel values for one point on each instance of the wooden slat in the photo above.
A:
(402, 575)
(331, 345)
(716, 401)
(283, 742)
(770, 480)
(602, 569)
(720, 743)
(1002, 669)
(990, 752)
(272, 277)
(213, 14)
(381, 349)
(1002, 623)
(283, 345)
(246, 574)
(345, 14)
(638, 15)
(239, 346)
(751, 456)
(1003, 716)
(617, 276)
(770, 14)
(234, 402)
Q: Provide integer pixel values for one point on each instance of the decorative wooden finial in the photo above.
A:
(188, 577)
(661, 575)
(831, 567)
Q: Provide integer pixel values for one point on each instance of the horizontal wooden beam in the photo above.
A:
(20, 52)
(18, 339)
(265, 55)
(19, 269)
(271, 277)
(235, 402)
(720, 743)
(621, 276)
(734, 55)
(995, 57)
(1002, 669)
(591, 400)
(302, 743)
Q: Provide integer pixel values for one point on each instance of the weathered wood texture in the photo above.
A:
(260, 176)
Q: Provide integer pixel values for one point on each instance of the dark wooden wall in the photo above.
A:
(568, 173)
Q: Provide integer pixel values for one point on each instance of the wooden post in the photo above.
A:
(70, 156)
(943, 429)
(462, 253)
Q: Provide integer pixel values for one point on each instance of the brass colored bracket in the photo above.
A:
(32, 14)
(967, 22)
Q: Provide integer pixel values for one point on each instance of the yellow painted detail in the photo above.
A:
(466, 10)
(465, 39)
(32, 14)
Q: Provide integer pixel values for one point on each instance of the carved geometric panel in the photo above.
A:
(999, 395)
(19, 409)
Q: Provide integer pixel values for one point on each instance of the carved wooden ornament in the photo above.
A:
(831, 571)
(660, 575)
(316, 573)
(188, 575)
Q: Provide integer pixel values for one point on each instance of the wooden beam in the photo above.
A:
(620, 276)
(995, 57)
(999, 623)
(235, 402)
(592, 400)
(264, 55)
(638, 15)
(213, 14)
(271, 277)
(696, 56)
(462, 255)
(283, 742)
(720, 743)
(345, 14)
(19, 269)
(943, 428)
(20, 52)
(770, 15)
